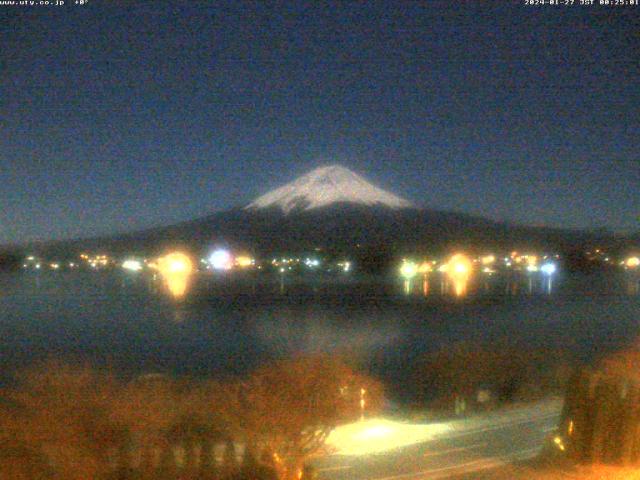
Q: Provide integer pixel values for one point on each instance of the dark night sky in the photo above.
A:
(116, 118)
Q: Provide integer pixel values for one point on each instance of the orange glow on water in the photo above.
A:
(176, 269)
(425, 287)
(459, 269)
(460, 287)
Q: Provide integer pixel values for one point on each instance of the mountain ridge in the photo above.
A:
(334, 208)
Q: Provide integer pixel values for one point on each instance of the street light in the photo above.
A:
(548, 269)
(221, 260)
(408, 270)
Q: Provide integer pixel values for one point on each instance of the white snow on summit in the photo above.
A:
(324, 186)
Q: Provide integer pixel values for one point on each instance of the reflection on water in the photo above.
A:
(292, 331)
(460, 277)
(180, 314)
(176, 269)
(482, 284)
(548, 284)
(218, 326)
(459, 270)
(460, 287)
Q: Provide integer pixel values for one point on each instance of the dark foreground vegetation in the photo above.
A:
(467, 377)
(64, 422)
(77, 423)
(599, 432)
(601, 417)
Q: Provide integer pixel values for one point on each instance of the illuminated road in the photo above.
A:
(458, 448)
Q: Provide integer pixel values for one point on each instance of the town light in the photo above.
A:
(311, 262)
(132, 265)
(460, 269)
(408, 270)
(488, 259)
(632, 262)
(221, 260)
(425, 267)
(548, 268)
(346, 266)
(243, 261)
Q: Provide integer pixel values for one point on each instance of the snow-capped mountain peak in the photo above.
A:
(324, 186)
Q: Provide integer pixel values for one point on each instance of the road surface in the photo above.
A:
(385, 450)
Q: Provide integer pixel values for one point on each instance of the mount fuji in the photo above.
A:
(325, 186)
(335, 210)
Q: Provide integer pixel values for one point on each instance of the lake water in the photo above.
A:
(127, 320)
